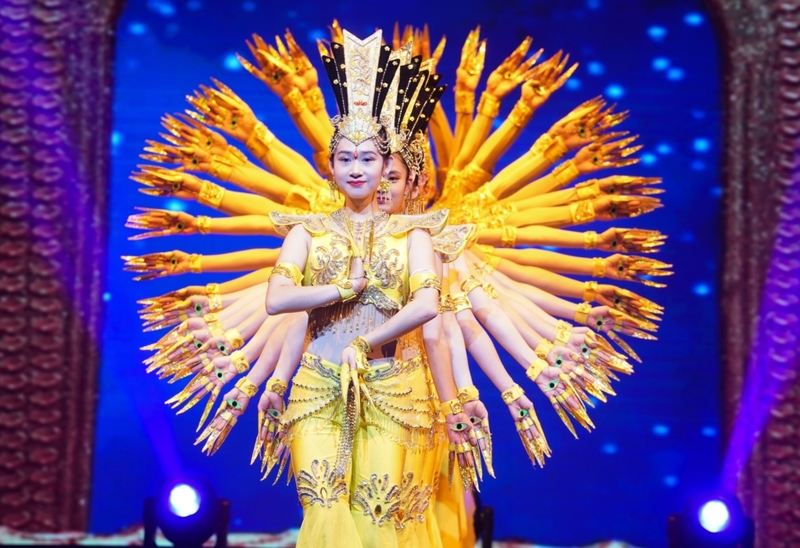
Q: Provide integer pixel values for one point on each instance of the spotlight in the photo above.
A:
(711, 520)
(188, 512)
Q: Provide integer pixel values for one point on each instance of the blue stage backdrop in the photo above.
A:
(656, 443)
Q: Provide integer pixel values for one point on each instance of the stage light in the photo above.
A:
(711, 520)
(188, 512)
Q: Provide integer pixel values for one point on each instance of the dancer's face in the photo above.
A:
(394, 201)
(358, 170)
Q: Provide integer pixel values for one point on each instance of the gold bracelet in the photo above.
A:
(210, 194)
(346, 292)
(239, 361)
(465, 102)
(535, 369)
(247, 387)
(361, 345)
(598, 267)
(460, 302)
(217, 331)
(582, 313)
(541, 145)
(588, 190)
(556, 150)
(589, 290)
(520, 115)
(212, 289)
(565, 173)
(211, 320)
(220, 168)
(287, 270)
(490, 290)
(294, 102)
(512, 394)
(259, 141)
(195, 263)
(563, 333)
(203, 224)
(590, 240)
(469, 284)
(235, 338)
(581, 212)
(473, 177)
(452, 407)
(214, 302)
(543, 349)
(489, 105)
(314, 99)
(509, 238)
(277, 386)
(468, 394)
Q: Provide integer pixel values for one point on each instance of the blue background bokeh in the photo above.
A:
(655, 444)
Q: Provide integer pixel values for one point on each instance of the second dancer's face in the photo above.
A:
(357, 170)
(394, 201)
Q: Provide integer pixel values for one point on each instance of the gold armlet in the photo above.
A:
(195, 263)
(563, 333)
(239, 361)
(287, 270)
(235, 338)
(469, 284)
(203, 224)
(512, 394)
(590, 240)
(565, 173)
(211, 319)
(210, 194)
(247, 387)
(468, 394)
(543, 349)
(294, 102)
(489, 105)
(346, 292)
(452, 407)
(582, 212)
(588, 190)
(509, 238)
(598, 267)
(520, 115)
(536, 369)
(460, 303)
(589, 291)
(423, 279)
(314, 99)
(361, 345)
(277, 386)
(465, 102)
(582, 313)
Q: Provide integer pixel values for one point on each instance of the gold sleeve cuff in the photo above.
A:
(239, 361)
(509, 238)
(259, 141)
(423, 279)
(552, 148)
(512, 394)
(588, 190)
(465, 102)
(235, 338)
(598, 267)
(520, 115)
(589, 290)
(563, 333)
(247, 387)
(288, 270)
(212, 289)
(210, 194)
(294, 102)
(468, 394)
(195, 263)
(582, 212)
(489, 105)
(346, 292)
(582, 313)
(590, 240)
(452, 407)
(277, 386)
(565, 173)
(460, 303)
(536, 369)
(543, 349)
(203, 224)
(314, 99)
